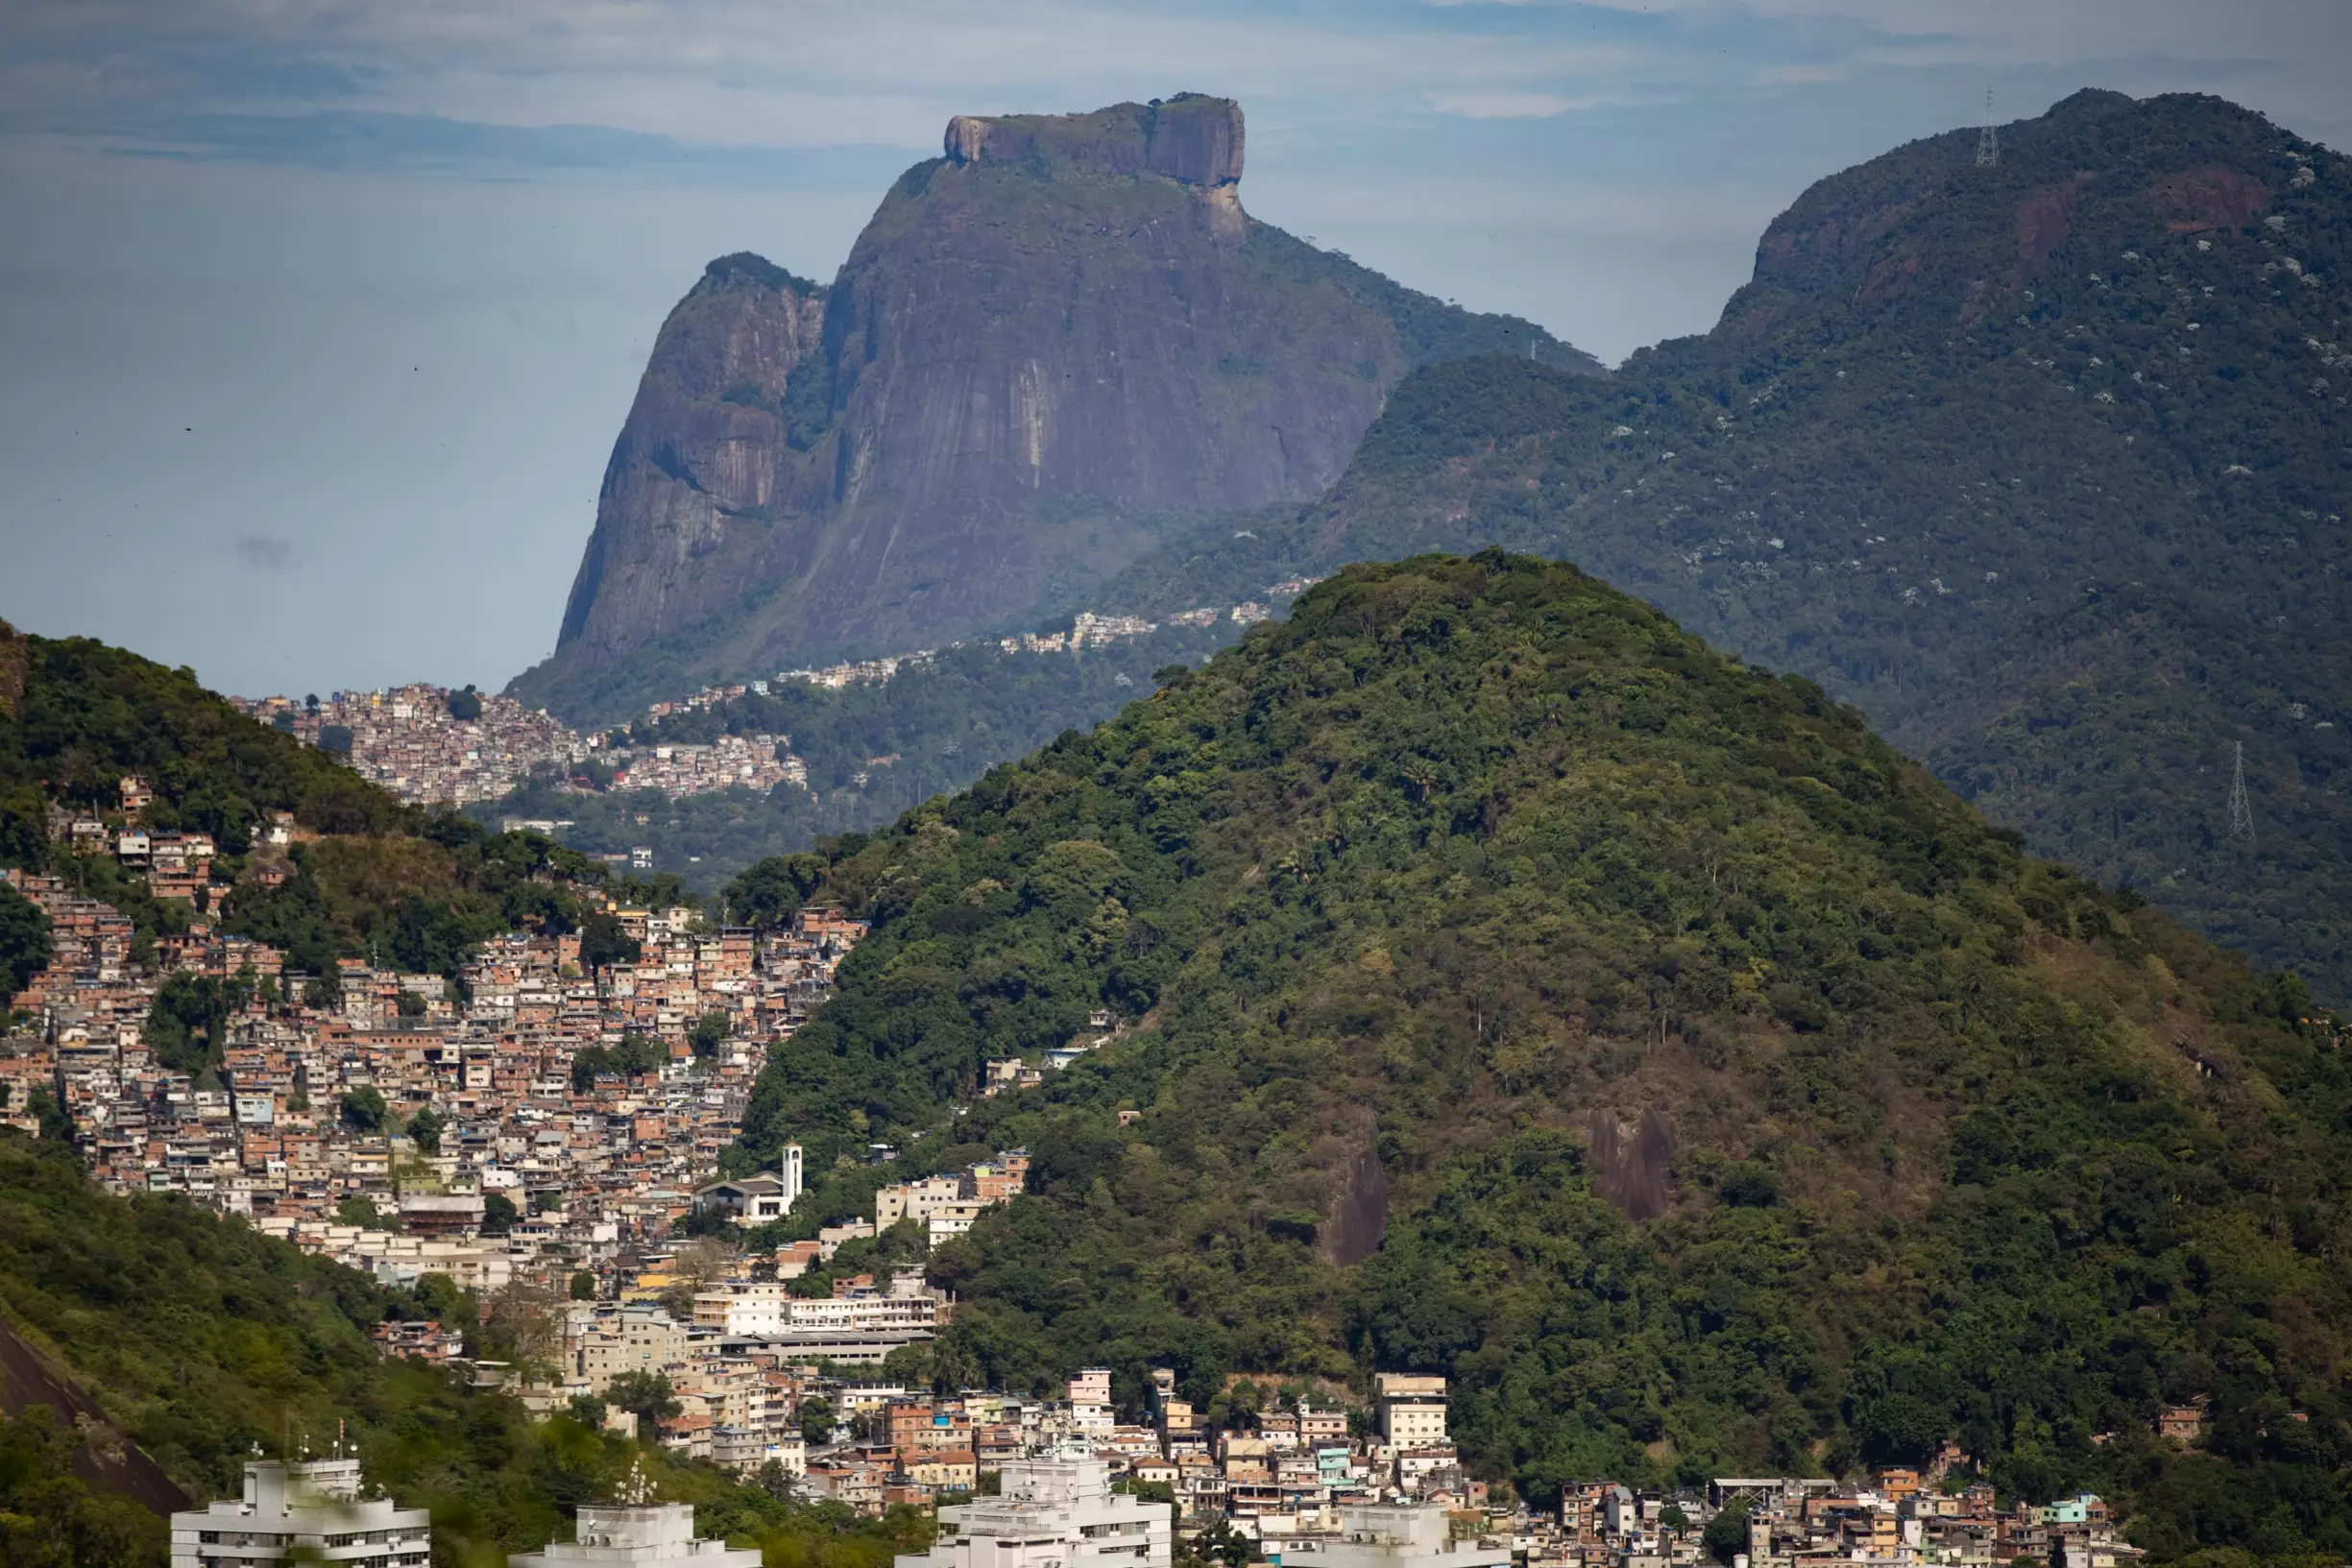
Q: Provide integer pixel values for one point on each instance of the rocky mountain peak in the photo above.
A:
(1192, 138)
(1048, 346)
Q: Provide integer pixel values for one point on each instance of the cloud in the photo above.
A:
(1501, 106)
(263, 553)
(353, 139)
(722, 85)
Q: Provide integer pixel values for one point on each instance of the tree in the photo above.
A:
(498, 1214)
(770, 893)
(1726, 1535)
(645, 1396)
(778, 1482)
(424, 1131)
(362, 1212)
(523, 1324)
(698, 1264)
(633, 1057)
(49, 1518)
(1674, 1518)
(709, 1032)
(188, 1019)
(25, 944)
(465, 706)
(583, 1283)
(55, 1123)
(335, 739)
(1218, 1546)
(603, 943)
(587, 1410)
(409, 1004)
(816, 1420)
(364, 1109)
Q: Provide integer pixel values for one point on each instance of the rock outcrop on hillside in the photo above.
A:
(1049, 342)
(703, 446)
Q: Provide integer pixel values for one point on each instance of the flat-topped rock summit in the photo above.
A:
(1191, 138)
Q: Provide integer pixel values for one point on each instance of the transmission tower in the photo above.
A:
(2240, 814)
(1988, 140)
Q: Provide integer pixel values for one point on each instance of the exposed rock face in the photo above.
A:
(1193, 139)
(1046, 342)
(700, 455)
(1630, 1166)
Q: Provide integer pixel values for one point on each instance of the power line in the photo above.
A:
(1988, 140)
(2241, 813)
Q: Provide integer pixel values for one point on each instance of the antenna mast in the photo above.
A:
(1988, 140)
(2240, 814)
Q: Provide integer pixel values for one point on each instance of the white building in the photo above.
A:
(789, 1173)
(1053, 1513)
(757, 1201)
(1392, 1536)
(640, 1535)
(770, 1311)
(1412, 1409)
(313, 1506)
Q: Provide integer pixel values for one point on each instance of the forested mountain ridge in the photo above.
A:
(2042, 465)
(1515, 989)
(1051, 346)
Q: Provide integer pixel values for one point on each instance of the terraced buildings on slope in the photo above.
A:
(509, 1126)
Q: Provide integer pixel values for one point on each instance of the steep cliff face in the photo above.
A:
(1048, 343)
(694, 474)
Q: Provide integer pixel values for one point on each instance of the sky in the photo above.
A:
(318, 318)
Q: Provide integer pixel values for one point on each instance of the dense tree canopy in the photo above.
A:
(2043, 465)
(1407, 902)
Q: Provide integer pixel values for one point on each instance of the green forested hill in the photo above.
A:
(1518, 990)
(368, 875)
(2044, 466)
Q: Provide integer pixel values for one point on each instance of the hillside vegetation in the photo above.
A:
(1515, 989)
(2043, 465)
(365, 874)
(199, 1341)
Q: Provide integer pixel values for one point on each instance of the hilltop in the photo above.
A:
(1508, 986)
(2043, 465)
(284, 843)
(1051, 346)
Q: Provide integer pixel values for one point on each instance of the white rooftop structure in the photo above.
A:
(1392, 1536)
(314, 1507)
(1053, 1513)
(637, 1535)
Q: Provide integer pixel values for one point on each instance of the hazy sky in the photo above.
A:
(317, 317)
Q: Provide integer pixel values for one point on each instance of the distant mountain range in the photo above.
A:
(2040, 464)
(1052, 345)
(2043, 465)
